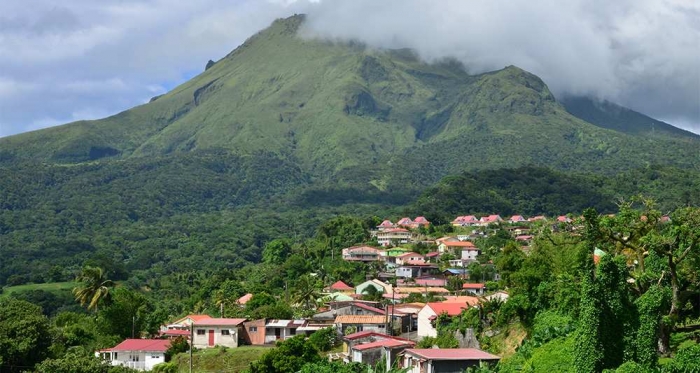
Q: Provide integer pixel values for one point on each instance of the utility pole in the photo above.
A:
(191, 342)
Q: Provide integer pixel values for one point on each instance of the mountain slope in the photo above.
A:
(608, 115)
(348, 114)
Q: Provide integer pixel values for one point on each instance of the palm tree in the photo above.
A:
(94, 288)
(306, 291)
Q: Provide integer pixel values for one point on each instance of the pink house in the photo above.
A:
(410, 259)
(404, 222)
(386, 224)
(491, 219)
(516, 219)
(465, 221)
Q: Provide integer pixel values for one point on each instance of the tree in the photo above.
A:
(277, 251)
(509, 261)
(288, 357)
(371, 293)
(306, 291)
(24, 334)
(126, 315)
(75, 362)
(94, 288)
(455, 284)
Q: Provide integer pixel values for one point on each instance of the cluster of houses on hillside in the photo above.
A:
(371, 331)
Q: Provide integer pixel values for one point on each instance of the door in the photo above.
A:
(278, 333)
(211, 338)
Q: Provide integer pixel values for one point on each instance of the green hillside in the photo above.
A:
(346, 113)
(284, 133)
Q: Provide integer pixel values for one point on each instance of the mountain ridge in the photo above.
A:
(334, 107)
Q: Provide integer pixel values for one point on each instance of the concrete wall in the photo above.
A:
(425, 327)
(225, 335)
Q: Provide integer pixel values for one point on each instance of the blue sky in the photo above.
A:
(66, 61)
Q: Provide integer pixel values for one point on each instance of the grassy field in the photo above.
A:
(51, 287)
(219, 360)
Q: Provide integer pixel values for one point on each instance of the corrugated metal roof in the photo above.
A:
(451, 354)
(360, 319)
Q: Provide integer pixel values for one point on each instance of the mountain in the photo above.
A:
(609, 115)
(348, 114)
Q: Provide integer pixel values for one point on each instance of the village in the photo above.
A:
(382, 318)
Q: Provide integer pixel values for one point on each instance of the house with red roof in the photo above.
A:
(181, 324)
(420, 221)
(444, 360)
(376, 349)
(410, 258)
(386, 224)
(429, 313)
(340, 286)
(465, 221)
(452, 246)
(476, 289)
(361, 254)
(216, 332)
(244, 299)
(491, 219)
(564, 219)
(537, 218)
(516, 219)
(140, 354)
(404, 222)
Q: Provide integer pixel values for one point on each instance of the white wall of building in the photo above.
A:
(225, 335)
(425, 326)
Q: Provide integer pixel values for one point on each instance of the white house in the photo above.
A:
(445, 360)
(395, 235)
(216, 332)
(139, 354)
(451, 246)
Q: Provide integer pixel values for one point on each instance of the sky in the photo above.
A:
(67, 61)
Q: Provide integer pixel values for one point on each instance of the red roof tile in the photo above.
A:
(219, 321)
(452, 309)
(339, 285)
(451, 354)
(459, 244)
(361, 334)
(473, 286)
(389, 342)
(160, 345)
(369, 308)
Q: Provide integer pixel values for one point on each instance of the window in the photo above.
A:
(292, 331)
(155, 356)
(252, 328)
(201, 332)
(225, 332)
(115, 355)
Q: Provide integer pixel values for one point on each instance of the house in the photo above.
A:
(410, 258)
(446, 239)
(358, 323)
(244, 299)
(266, 331)
(415, 270)
(404, 222)
(384, 348)
(340, 287)
(564, 219)
(386, 224)
(139, 354)
(429, 313)
(432, 256)
(477, 289)
(184, 322)
(420, 221)
(421, 290)
(393, 236)
(361, 254)
(216, 332)
(380, 286)
(462, 299)
(525, 238)
(455, 272)
(537, 218)
(491, 219)
(500, 295)
(516, 219)
(444, 360)
(465, 221)
(451, 246)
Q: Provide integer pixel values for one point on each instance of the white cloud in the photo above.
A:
(83, 57)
